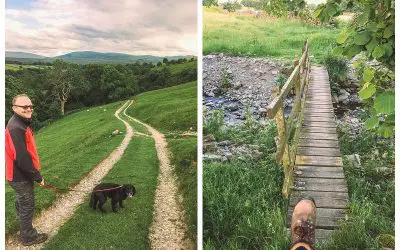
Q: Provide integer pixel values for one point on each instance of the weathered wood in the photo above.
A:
(318, 114)
(318, 143)
(318, 151)
(318, 118)
(322, 199)
(327, 218)
(318, 136)
(320, 184)
(318, 130)
(319, 160)
(319, 124)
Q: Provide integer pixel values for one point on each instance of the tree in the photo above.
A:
(209, 3)
(231, 6)
(64, 78)
(371, 33)
(165, 60)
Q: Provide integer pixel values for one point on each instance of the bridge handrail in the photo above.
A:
(286, 152)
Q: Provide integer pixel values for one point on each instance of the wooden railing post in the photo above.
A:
(286, 145)
(281, 126)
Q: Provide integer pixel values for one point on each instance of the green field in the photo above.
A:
(169, 110)
(129, 227)
(279, 38)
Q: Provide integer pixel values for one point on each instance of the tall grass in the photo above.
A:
(280, 38)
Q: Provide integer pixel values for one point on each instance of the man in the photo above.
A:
(22, 167)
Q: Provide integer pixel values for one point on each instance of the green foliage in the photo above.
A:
(337, 69)
(371, 32)
(281, 80)
(209, 3)
(231, 6)
(256, 4)
(79, 86)
(214, 124)
(378, 95)
(275, 7)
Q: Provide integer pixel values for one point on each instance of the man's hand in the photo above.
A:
(42, 182)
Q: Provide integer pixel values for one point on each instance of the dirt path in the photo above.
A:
(50, 220)
(168, 228)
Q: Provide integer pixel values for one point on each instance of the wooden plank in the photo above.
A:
(322, 199)
(318, 130)
(309, 110)
(320, 184)
(319, 160)
(318, 151)
(318, 143)
(317, 118)
(327, 218)
(319, 124)
(322, 235)
(318, 136)
(328, 114)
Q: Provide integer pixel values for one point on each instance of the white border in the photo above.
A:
(199, 124)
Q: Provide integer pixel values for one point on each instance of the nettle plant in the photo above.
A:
(370, 33)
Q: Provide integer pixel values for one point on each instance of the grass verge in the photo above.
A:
(68, 149)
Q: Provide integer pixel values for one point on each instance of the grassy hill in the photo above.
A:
(171, 109)
(70, 147)
(86, 57)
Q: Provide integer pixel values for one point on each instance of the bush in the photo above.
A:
(337, 68)
(231, 6)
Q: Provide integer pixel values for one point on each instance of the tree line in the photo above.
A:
(66, 87)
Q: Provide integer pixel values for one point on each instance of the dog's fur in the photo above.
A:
(116, 192)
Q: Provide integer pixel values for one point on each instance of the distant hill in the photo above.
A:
(85, 57)
(15, 54)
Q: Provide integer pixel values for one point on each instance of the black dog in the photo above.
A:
(116, 192)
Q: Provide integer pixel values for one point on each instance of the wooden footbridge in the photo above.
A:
(308, 145)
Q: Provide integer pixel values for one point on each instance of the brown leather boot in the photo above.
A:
(303, 223)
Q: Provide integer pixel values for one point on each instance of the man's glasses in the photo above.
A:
(25, 107)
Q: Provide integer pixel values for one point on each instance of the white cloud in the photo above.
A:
(146, 27)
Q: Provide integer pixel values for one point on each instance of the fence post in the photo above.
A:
(281, 126)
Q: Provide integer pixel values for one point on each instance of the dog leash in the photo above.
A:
(54, 188)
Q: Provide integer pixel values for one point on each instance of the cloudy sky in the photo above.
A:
(56, 27)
